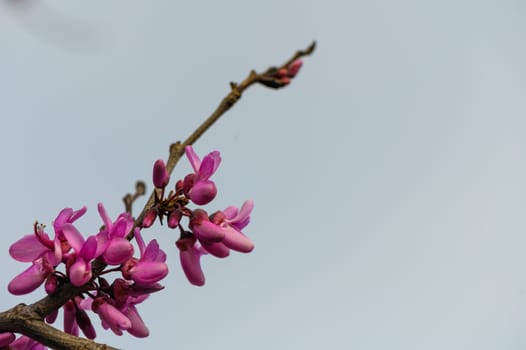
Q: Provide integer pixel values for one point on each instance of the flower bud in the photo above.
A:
(160, 174)
(294, 67)
(149, 218)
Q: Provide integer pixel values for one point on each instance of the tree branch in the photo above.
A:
(29, 319)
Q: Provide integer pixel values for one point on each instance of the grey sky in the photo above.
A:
(388, 179)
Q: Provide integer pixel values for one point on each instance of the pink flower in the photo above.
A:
(43, 252)
(67, 216)
(31, 278)
(190, 257)
(198, 186)
(70, 322)
(112, 244)
(79, 264)
(126, 296)
(232, 221)
(110, 316)
(204, 229)
(151, 266)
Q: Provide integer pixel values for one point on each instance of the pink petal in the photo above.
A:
(84, 323)
(73, 236)
(203, 192)
(174, 218)
(294, 67)
(80, 272)
(209, 165)
(237, 241)
(140, 241)
(6, 339)
(149, 272)
(52, 317)
(245, 210)
(29, 280)
(122, 226)
(113, 318)
(191, 264)
(27, 249)
(102, 242)
(193, 158)
(118, 251)
(151, 251)
(138, 328)
(219, 250)
(62, 218)
(89, 248)
(208, 232)
(230, 212)
(77, 214)
(70, 324)
(105, 217)
(242, 218)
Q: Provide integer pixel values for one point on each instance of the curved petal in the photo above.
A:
(29, 280)
(208, 231)
(89, 248)
(140, 241)
(245, 210)
(219, 250)
(122, 226)
(80, 272)
(192, 158)
(84, 323)
(203, 192)
(27, 249)
(191, 264)
(153, 252)
(105, 217)
(149, 272)
(138, 328)
(208, 166)
(78, 213)
(73, 236)
(118, 251)
(113, 318)
(61, 219)
(70, 323)
(237, 241)
(52, 317)
(230, 212)
(102, 242)
(242, 218)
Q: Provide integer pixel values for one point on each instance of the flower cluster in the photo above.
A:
(86, 261)
(215, 233)
(115, 302)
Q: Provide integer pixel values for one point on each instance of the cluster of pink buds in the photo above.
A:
(277, 78)
(115, 302)
(215, 233)
(287, 73)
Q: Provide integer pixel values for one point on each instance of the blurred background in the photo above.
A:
(388, 178)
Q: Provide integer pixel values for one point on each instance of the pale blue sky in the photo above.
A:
(388, 179)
